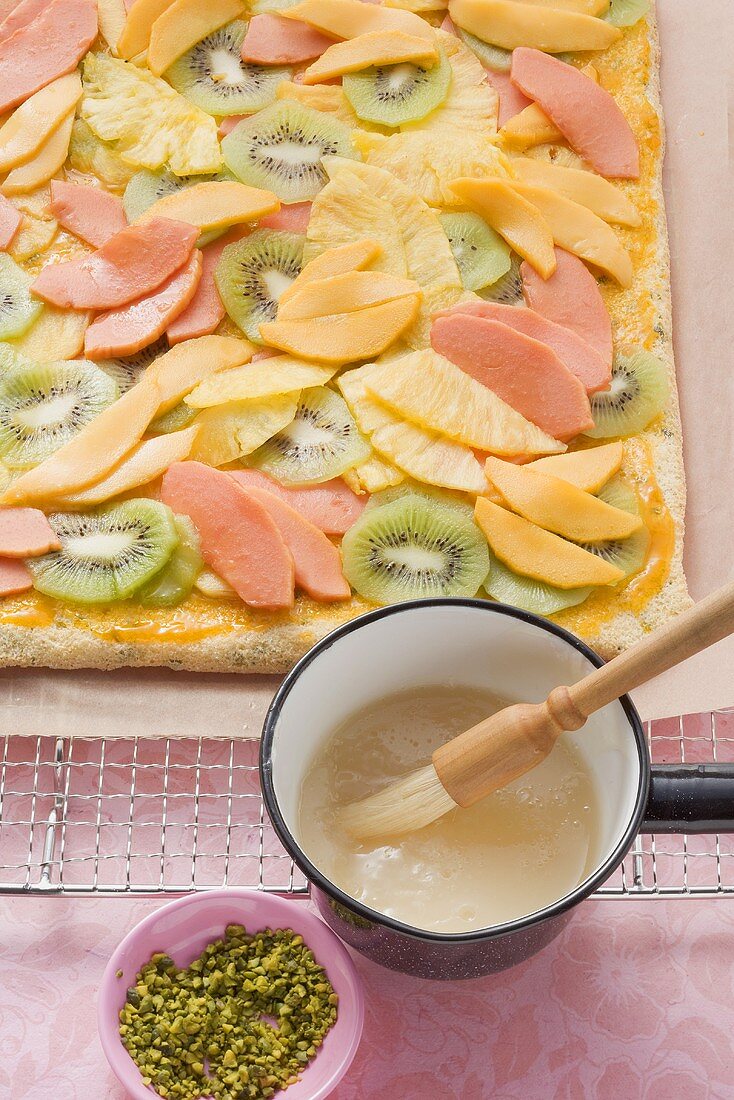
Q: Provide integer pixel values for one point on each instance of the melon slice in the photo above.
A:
(232, 431)
(277, 375)
(571, 298)
(15, 577)
(354, 256)
(344, 337)
(205, 311)
(135, 34)
(29, 128)
(51, 45)
(588, 470)
(351, 18)
(532, 552)
(347, 293)
(514, 217)
(39, 169)
(10, 221)
(509, 24)
(184, 23)
(213, 205)
(187, 365)
(586, 188)
(377, 48)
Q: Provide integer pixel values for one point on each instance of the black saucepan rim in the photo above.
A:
(318, 879)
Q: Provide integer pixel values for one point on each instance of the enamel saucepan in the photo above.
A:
(519, 656)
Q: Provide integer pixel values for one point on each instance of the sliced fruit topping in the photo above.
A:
(44, 405)
(293, 218)
(182, 368)
(628, 554)
(239, 539)
(38, 171)
(586, 188)
(26, 62)
(529, 594)
(588, 470)
(133, 327)
(177, 578)
(25, 533)
(335, 261)
(426, 388)
(375, 50)
(345, 337)
(215, 205)
(55, 334)
(511, 25)
(209, 584)
(87, 212)
(108, 554)
(571, 298)
(150, 123)
(511, 215)
(132, 263)
(30, 127)
(272, 40)
(532, 552)
(184, 23)
(319, 444)
(229, 432)
(18, 310)
(414, 548)
(330, 506)
(508, 288)
(16, 15)
(15, 577)
(523, 372)
(351, 18)
(180, 416)
(281, 148)
(470, 104)
(90, 156)
(559, 506)
(585, 113)
(349, 292)
(373, 475)
(481, 254)
(10, 221)
(528, 128)
(146, 188)
(135, 35)
(206, 310)
(279, 374)
(575, 354)
(492, 57)
(214, 76)
(638, 393)
(127, 370)
(393, 95)
(511, 100)
(37, 229)
(252, 274)
(625, 13)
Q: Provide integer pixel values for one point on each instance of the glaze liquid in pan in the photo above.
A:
(517, 851)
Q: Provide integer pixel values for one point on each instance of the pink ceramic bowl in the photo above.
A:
(182, 930)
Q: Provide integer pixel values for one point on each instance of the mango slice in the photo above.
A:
(45, 164)
(584, 7)
(515, 218)
(532, 126)
(428, 390)
(344, 337)
(588, 470)
(533, 552)
(189, 363)
(580, 231)
(111, 15)
(184, 23)
(354, 256)
(228, 432)
(347, 293)
(586, 188)
(267, 378)
(375, 48)
(351, 18)
(558, 505)
(32, 124)
(135, 34)
(214, 205)
(511, 23)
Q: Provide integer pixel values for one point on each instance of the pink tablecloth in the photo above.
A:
(633, 1002)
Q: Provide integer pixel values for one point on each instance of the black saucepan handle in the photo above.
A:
(690, 798)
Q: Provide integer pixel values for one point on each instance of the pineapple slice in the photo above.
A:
(280, 374)
(330, 100)
(429, 390)
(471, 104)
(363, 201)
(150, 123)
(228, 432)
(373, 475)
(420, 452)
(37, 230)
(92, 157)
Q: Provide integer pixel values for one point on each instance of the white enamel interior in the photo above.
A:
(463, 647)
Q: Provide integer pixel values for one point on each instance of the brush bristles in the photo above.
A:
(403, 807)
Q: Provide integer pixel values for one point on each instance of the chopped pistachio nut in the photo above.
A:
(205, 1031)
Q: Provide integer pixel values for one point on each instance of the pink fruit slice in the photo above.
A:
(18, 16)
(205, 310)
(10, 220)
(523, 372)
(575, 354)
(293, 218)
(14, 577)
(272, 40)
(318, 567)
(586, 114)
(133, 327)
(239, 539)
(87, 212)
(131, 264)
(571, 298)
(25, 533)
(512, 100)
(49, 46)
(227, 125)
(330, 506)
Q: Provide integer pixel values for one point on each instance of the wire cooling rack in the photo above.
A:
(142, 817)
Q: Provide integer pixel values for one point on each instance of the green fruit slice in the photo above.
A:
(414, 548)
(481, 255)
(494, 57)
(126, 371)
(507, 290)
(395, 94)
(625, 13)
(638, 393)
(253, 273)
(528, 594)
(180, 416)
(107, 554)
(628, 554)
(430, 492)
(177, 578)
(18, 310)
(145, 188)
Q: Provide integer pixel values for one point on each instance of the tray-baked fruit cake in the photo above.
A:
(307, 308)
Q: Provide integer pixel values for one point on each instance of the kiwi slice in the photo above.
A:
(147, 187)
(637, 394)
(431, 492)
(175, 582)
(321, 442)
(396, 94)
(627, 554)
(527, 593)
(508, 288)
(281, 149)
(18, 310)
(43, 405)
(214, 77)
(481, 255)
(252, 274)
(180, 416)
(126, 371)
(493, 57)
(414, 548)
(106, 554)
(625, 13)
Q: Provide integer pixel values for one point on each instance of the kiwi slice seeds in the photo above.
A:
(321, 442)
(638, 393)
(396, 94)
(414, 548)
(506, 586)
(628, 554)
(18, 310)
(107, 554)
(481, 254)
(214, 77)
(507, 290)
(252, 274)
(126, 370)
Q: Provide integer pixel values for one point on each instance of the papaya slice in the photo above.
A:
(513, 216)
(214, 205)
(347, 293)
(588, 470)
(344, 337)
